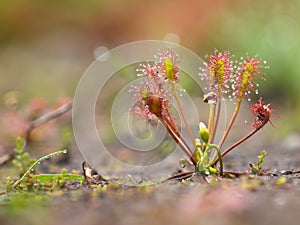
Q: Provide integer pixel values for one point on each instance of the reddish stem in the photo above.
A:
(175, 134)
(236, 144)
(214, 130)
(238, 104)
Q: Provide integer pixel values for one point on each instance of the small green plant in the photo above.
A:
(29, 173)
(224, 80)
(29, 180)
(258, 167)
(21, 160)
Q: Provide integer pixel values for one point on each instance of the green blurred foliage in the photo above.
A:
(272, 30)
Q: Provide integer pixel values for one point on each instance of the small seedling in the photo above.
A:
(28, 175)
(258, 167)
(21, 160)
(29, 180)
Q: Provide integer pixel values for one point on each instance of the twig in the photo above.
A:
(47, 117)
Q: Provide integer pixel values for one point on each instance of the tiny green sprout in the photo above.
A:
(261, 159)
(19, 144)
(198, 150)
(9, 184)
(30, 170)
(257, 168)
(21, 160)
(61, 180)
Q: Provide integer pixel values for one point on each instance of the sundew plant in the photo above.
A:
(224, 79)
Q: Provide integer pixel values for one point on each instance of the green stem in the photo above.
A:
(204, 163)
(219, 156)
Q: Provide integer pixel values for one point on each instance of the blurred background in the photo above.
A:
(45, 46)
